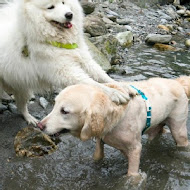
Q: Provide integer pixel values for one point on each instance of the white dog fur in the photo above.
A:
(86, 111)
(27, 25)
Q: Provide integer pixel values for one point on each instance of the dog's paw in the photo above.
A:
(30, 119)
(129, 90)
(117, 96)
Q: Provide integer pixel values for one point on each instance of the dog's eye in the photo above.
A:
(63, 2)
(64, 112)
(52, 7)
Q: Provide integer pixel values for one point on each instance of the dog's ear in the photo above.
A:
(93, 127)
(100, 116)
(95, 118)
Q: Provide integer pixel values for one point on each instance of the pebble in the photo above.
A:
(163, 27)
(187, 13)
(109, 12)
(43, 102)
(187, 43)
(107, 20)
(163, 21)
(129, 28)
(181, 12)
(180, 29)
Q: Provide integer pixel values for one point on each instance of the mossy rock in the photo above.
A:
(31, 142)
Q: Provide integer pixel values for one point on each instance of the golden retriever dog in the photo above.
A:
(86, 111)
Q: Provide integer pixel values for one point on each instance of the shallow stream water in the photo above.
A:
(71, 167)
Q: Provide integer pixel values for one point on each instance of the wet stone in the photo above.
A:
(31, 142)
(158, 38)
(2, 108)
(12, 108)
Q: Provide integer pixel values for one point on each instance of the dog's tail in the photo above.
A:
(185, 82)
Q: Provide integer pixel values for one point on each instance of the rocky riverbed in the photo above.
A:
(140, 39)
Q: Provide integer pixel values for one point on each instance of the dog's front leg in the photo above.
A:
(1, 90)
(21, 99)
(99, 151)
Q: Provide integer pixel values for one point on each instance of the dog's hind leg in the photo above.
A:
(21, 101)
(179, 132)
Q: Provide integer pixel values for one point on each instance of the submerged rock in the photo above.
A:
(158, 38)
(31, 142)
(164, 47)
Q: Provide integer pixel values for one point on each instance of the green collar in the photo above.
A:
(61, 45)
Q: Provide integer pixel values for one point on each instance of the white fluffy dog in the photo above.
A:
(42, 46)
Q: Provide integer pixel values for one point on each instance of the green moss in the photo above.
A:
(111, 46)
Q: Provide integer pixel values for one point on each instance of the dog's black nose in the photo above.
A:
(69, 16)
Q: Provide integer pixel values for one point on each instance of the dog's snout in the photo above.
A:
(41, 126)
(69, 15)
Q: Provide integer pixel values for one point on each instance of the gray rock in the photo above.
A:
(129, 28)
(98, 56)
(88, 7)
(43, 102)
(172, 13)
(95, 26)
(158, 38)
(112, 17)
(164, 15)
(12, 107)
(107, 20)
(180, 29)
(125, 38)
(123, 21)
(6, 98)
(163, 21)
(2, 108)
(109, 12)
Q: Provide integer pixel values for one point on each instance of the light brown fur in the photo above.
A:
(91, 113)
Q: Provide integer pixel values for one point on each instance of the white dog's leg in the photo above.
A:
(99, 75)
(21, 101)
(1, 91)
(76, 75)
